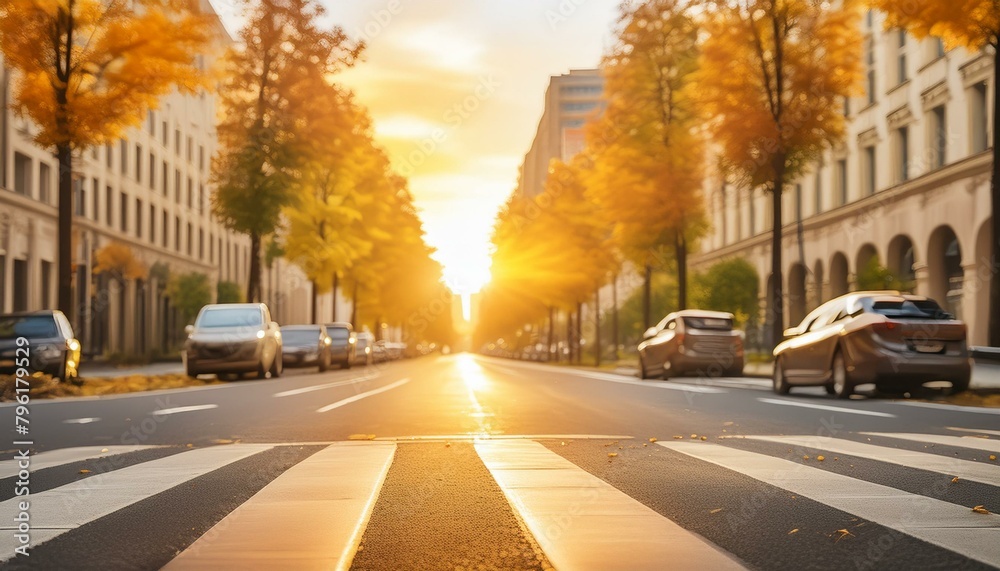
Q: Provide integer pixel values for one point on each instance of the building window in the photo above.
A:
(152, 171)
(978, 128)
(97, 200)
(22, 174)
(177, 142)
(190, 239)
(123, 146)
(177, 234)
(152, 223)
(107, 155)
(903, 154)
(201, 158)
(798, 202)
(151, 122)
(165, 174)
(841, 180)
(123, 209)
(21, 285)
(138, 218)
(868, 170)
(211, 248)
(79, 197)
(177, 185)
(939, 136)
(201, 244)
(938, 44)
(818, 191)
(138, 163)
(190, 193)
(46, 285)
(201, 198)
(44, 182)
(109, 205)
(870, 67)
(753, 214)
(190, 149)
(163, 227)
(901, 74)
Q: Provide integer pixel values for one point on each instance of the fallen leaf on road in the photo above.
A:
(104, 450)
(189, 445)
(821, 458)
(644, 444)
(704, 438)
(715, 511)
(612, 454)
(796, 530)
(652, 439)
(678, 437)
(694, 436)
(447, 444)
(222, 441)
(981, 510)
(361, 437)
(843, 533)
(993, 457)
(805, 457)
(84, 471)
(727, 423)
(954, 480)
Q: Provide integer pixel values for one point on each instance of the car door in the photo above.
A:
(811, 363)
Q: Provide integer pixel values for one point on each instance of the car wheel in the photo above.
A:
(779, 381)
(346, 364)
(261, 371)
(277, 365)
(642, 369)
(669, 370)
(840, 380)
(324, 364)
(189, 370)
(959, 386)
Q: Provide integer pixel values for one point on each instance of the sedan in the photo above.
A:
(342, 343)
(896, 341)
(363, 347)
(689, 341)
(42, 340)
(305, 346)
(233, 338)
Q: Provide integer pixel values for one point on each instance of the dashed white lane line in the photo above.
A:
(87, 420)
(983, 444)
(975, 430)
(179, 409)
(670, 385)
(364, 395)
(829, 408)
(954, 407)
(312, 388)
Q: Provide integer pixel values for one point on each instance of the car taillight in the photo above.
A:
(884, 326)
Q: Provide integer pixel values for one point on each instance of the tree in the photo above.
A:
(280, 65)
(773, 75)
(649, 140)
(189, 293)
(729, 285)
(88, 70)
(875, 276)
(118, 261)
(228, 292)
(975, 25)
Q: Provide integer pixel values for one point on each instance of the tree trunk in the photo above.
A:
(253, 280)
(680, 253)
(777, 309)
(578, 348)
(314, 302)
(64, 154)
(994, 308)
(614, 317)
(597, 327)
(569, 337)
(552, 334)
(647, 297)
(333, 296)
(354, 312)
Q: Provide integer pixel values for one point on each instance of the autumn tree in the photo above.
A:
(647, 149)
(730, 285)
(280, 65)
(974, 25)
(773, 77)
(189, 292)
(120, 262)
(89, 69)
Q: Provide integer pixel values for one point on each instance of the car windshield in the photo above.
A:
(910, 309)
(362, 342)
(338, 333)
(300, 336)
(711, 323)
(230, 317)
(35, 326)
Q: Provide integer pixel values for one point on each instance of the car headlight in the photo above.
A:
(48, 352)
(260, 334)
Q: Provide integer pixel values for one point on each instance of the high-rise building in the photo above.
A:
(570, 100)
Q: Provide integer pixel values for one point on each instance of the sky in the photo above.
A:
(456, 89)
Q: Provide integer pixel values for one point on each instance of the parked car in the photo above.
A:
(896, 341)
(51, 347)
(363, 347)
(692, 341)
(233, 338)
(342, 343)
(305, 346)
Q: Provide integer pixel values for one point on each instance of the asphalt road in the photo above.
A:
(462, 462)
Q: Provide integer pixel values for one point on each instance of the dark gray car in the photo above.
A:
(47, 344)
(896, 341)
(305, 346)
(342, 342)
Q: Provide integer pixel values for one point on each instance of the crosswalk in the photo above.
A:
(569, 495)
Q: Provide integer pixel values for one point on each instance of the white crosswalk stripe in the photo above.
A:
(62, 456)
(313, 515)
(974, 471)
(61, 509)
(947, 525)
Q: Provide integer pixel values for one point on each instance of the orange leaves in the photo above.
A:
(118, 260)
(120, 64)
(972, 24)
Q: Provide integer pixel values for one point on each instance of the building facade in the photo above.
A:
(908, 189)
(570, 100)
(150, 191)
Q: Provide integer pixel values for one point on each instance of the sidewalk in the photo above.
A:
(99, 369)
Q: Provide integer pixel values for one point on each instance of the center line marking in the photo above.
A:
(178, 409)
(827, 407)
(358, 397)
(323, 386)
(81, 420)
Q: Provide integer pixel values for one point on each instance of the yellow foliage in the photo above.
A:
(118, 260)
(972, 24)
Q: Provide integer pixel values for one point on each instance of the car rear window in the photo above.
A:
(714, 323)
(34, 326)
(910, 309)
(362, 342)
(300, 335)
(338, 333)
(230, 317)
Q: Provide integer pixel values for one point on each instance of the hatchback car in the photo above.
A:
(363, 347)
(50, 345)
(896, 341)
(305, 346)
(233, 338)
(342, 343)
(692, 341)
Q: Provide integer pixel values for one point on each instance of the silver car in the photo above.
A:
(692, 341)
(233, 338)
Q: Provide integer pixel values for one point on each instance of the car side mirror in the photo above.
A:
(274, 325)
(189, 329)
(650, 333)
(792, 332)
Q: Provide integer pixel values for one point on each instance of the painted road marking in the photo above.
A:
(581, 522)
(944, 524)
(179, 409)
(87, 420)
(784, 402)
(312, 516)
(960, 441)
(312, 388)
(974, 430)
(954, 407)
(364, 395)
(62, 456)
